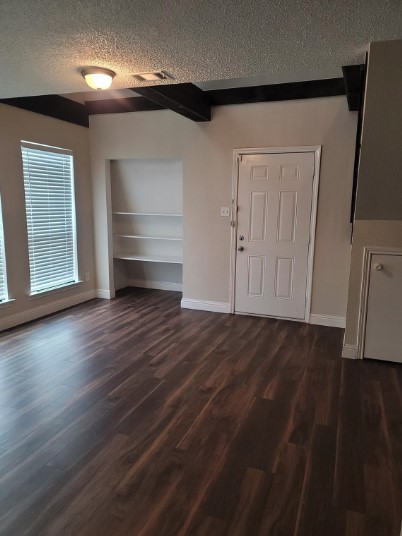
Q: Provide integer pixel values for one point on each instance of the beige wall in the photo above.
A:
(206, 150)
(17, 125)
(379, 195)
(380, 173)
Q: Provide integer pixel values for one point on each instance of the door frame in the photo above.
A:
(368, 253)
(237, 154)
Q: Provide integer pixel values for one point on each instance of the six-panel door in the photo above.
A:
(273, 227)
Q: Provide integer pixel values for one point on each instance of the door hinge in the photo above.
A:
(234, 214)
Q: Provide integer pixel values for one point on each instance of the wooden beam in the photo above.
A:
(52, 106)
(330, 87)
(354, 76)
(360, 106)
(185, 99)
(117, 106)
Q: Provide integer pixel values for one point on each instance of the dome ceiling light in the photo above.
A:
(98, 77)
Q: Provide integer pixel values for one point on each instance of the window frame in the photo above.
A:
(3, 259)
(64, 286)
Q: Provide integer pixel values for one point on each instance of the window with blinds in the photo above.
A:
(3, 274)
(50, 212)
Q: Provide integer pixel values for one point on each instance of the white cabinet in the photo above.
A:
(383, 330)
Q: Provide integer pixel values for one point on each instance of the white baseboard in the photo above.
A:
(161, 285)
(202, 305)
(327, 320)
(43, 310)
(349, 351)
(104, 294)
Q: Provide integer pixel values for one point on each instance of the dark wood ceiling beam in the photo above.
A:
(240, 95)
(354, 76)
(117, 106)
(54, 106)
(311, 89)
(189, 100)
(185, 99)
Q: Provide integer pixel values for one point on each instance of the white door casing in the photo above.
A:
(275, 196)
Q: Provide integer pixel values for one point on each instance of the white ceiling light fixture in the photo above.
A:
(98, 77)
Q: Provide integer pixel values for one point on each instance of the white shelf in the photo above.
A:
(149, 258)
(147, 220)
(168, 214)
(141, 237)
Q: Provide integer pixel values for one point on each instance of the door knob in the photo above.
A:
(378, 266)
(240, 248)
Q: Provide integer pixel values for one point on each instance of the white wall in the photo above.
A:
(206, 151)
(147, 185)
(17, 125)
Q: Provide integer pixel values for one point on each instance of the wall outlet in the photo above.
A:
(225, 211)
(87, 276)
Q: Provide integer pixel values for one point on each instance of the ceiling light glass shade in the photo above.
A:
(98, 78)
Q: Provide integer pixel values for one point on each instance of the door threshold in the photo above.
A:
(303, 320)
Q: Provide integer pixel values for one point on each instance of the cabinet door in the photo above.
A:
(384, 309)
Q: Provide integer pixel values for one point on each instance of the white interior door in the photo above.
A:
(273, 233)
(383, 338)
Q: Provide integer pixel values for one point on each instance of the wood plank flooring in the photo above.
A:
(134, 417)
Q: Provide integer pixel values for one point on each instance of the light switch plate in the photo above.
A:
(225, 211)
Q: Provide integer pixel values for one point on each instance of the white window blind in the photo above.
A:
(3, 275)
(50, 211)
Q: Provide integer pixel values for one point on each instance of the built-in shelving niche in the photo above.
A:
(147, 216)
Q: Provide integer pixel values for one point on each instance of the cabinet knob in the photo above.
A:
(378, 266)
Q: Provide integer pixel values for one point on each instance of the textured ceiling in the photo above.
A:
(44, 43)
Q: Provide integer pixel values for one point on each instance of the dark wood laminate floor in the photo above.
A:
(133, 417)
